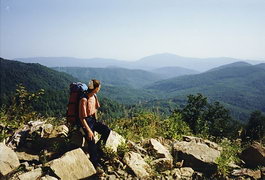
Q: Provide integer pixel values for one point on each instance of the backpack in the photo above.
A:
(77, 90)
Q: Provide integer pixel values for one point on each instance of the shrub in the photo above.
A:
(174, 127)
(228, 156)
(20, 110)
(140, 125)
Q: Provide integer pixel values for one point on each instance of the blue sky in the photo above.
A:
(132, 29)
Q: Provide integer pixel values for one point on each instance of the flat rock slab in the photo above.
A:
(114, 140)
(8, 160)
(199, 156)
(32, 175)
(72, 165)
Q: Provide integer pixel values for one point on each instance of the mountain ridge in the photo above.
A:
(146, 63)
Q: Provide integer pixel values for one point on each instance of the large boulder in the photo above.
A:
(72, 165)
(254, 155)
(114, 140)
(197, 155)
(8, 160)
(164, 159)
(140, 168)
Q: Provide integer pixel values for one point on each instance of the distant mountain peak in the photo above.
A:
(235, 64)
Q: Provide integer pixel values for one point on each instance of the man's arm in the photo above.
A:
(83, 115)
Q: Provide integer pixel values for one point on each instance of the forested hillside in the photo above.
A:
(113, 76)
(35, 77)
(239, 88)
(56, 89)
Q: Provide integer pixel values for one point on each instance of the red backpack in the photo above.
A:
(77, 90)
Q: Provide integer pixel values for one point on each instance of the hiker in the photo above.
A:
(88, 106)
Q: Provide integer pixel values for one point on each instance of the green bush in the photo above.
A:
(19, 111)
(174, 127)
(228, 155)
(140, 125)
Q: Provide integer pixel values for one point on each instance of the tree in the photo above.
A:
(255, 128)
(218, 120)
(192, 113)
(207, 119)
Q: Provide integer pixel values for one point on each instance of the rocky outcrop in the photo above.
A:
(8, 160)
(114, 140)
(194, 158)
(254, 155)
(197, 155)
(137, 164)
(72, 165)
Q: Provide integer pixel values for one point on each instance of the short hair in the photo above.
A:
(93, 84)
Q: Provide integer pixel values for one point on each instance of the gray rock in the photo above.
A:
(137, 148)
(254, 174)
(203, 141)
(59, 131)
(23, 156)
(197, 155)
(72, 165)
(35, 125)
(137, 164)
(46, 130)
(114, 140)
(157, 149)
(176, 173)
(8, 160)
(111, 177)
(122, 173)
(254, 155)
(32, 175)
(47, 177)
(162, 164)
(186, 173)
(18, 137)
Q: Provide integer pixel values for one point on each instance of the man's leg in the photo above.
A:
(102, 129)
(92, 150)
(92, 147)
